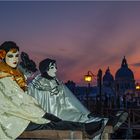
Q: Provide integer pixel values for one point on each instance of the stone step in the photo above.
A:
(52, 135)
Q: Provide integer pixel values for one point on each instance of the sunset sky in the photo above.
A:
(81, 36)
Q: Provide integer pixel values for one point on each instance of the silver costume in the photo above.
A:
(55, 98)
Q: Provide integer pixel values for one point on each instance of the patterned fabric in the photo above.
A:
(55, 98)
(6, 70)
(17, 109)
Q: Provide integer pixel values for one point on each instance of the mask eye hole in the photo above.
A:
(17, 55)
(51, 67)
(10, 55)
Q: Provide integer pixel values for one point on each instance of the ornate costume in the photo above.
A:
(55, 98)
(7, 71)
(17, 109)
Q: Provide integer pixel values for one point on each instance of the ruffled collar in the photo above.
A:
(7, 69)
(43, 83)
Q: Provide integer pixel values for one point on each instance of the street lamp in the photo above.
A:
(137, 89)
(88, 79)
(137, 86)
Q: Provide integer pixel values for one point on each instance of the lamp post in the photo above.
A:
(88, 79)
(99, 77)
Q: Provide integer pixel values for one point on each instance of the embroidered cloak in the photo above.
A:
(17, 108)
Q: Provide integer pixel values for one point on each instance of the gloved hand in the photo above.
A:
(51, 117)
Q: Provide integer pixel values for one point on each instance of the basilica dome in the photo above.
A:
(108, 76)
(124, 72)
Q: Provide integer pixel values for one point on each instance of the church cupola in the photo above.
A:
(108, 79)
(124, 78)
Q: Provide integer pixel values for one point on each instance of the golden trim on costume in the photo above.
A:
(6, 70)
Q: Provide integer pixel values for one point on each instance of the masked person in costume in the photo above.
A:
(20, 112)
(55, 98)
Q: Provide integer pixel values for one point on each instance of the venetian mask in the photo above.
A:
(52, 70)
(12, 58)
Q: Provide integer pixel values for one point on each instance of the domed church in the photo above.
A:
(108, 84)
(108, 79)
(124, 79)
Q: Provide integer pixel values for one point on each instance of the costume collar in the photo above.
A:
(7, 69)
(45, 75)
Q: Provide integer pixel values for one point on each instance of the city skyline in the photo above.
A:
(80, 36)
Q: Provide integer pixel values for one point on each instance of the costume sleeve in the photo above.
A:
(14, 101)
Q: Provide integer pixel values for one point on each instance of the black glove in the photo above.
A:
(51, 117)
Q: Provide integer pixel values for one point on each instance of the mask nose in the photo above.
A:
(55, 69)
(15, 58)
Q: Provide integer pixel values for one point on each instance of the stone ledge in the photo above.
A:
(61, 134)
(52, 134)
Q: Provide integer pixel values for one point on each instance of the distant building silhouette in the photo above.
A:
(113, 89)
(124, 79)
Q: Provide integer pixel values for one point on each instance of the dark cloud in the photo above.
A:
(136, 64)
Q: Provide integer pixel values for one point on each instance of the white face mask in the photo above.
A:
(52, 70)
(12, 59)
